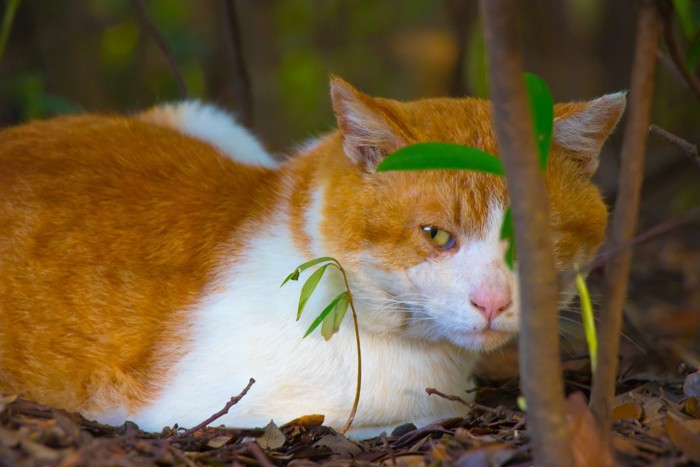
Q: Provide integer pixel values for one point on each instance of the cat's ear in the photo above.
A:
(582, 128)
(369, 131)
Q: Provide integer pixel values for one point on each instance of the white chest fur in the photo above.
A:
(247, 329)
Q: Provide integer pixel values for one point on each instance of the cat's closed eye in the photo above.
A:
(439, 237)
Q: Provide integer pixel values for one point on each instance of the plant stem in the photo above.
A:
(540, 370)
(624, 217)
(7, 19)
(359, 354)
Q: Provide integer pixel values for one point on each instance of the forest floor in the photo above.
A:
(656, 418)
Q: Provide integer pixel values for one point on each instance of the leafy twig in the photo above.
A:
(241, 81)
(625, 215)
(7, 19)
(234, 400)
(690, 150)
(332, 315)
(158, 38)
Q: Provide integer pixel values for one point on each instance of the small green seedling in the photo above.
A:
(587, 318)
(332, 315)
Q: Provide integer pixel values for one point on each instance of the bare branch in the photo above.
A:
(241, 79)
(158, 38)
(234, 400)
(676, 54)
(540, 368)
(658, 230)
(626, 211)
(690, 150)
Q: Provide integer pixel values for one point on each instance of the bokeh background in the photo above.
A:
(93, 55)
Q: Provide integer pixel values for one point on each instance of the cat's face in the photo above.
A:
(424, 247)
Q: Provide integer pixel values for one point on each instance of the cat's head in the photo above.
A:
(424, 247)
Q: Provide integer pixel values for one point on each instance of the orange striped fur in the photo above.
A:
(140, 260)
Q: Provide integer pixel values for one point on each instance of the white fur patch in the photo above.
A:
(214, 126)
(249, 330)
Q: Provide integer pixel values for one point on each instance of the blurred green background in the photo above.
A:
(92, 55)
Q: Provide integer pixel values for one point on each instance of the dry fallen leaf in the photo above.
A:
(588, 446)
(683, 439)
(628, 410)
(219, 441)
(272, 438)
(307, 421)
(340, 445)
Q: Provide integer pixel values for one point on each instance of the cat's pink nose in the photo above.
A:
(491, 301)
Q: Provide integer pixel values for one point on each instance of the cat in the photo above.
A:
(141, 259)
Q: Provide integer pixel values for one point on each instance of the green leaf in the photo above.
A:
(331, 324)
(441, 156)
(587, 318)
(294, 276)
(507, 233)
(309, 287)
(542, 111)
(331, 306)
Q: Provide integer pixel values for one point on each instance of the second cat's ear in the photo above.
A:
(582, 128)
(369, 132)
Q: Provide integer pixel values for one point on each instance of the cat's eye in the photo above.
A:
(440, 238)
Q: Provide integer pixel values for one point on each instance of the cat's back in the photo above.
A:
(110, 229)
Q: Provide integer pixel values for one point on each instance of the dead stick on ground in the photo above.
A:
(387, 448)
(471, 405)
(259, 455)
(162, 45)
(219, 414)
(690, 150)
(625, 213)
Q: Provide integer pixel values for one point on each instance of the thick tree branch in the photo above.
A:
(158, 38)
(624, 220)
(540, 368)
(241, 79)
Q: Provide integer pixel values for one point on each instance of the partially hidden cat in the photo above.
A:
(141, 259)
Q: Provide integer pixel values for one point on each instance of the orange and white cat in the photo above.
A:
(141, 259)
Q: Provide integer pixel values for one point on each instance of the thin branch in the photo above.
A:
(459, 12)
(690, 150)
(7, 19)
(625, 215)
(675, 52)
(471, 405)
(241, 82)
(158, 38)
(234, 400)
(540, 368)
(658, 230)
